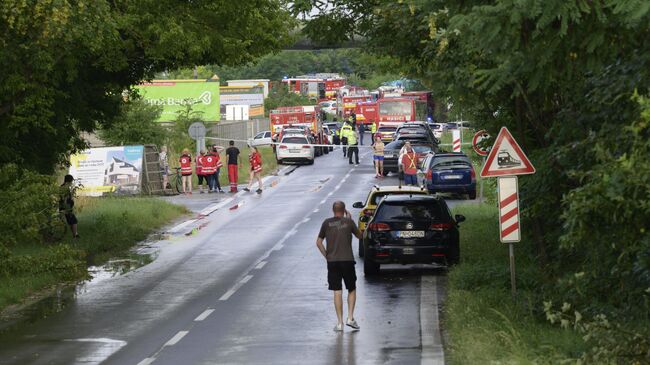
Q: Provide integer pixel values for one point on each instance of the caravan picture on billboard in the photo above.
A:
(108, 170)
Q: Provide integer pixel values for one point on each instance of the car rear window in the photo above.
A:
(411, 210)
(446, 161)
(395, 145)
(374, 200)
(412, 137)
(386, 129)
(297, 140)
(419, 148)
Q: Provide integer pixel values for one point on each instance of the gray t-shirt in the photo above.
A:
(337, 232)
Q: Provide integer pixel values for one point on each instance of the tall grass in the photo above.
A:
(484, 325)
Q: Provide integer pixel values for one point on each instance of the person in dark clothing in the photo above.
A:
(233, 161)
(66, 204)
(361, 130)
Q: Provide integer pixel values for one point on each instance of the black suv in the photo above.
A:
(411, 229)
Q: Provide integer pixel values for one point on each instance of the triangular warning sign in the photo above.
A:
(506, 158)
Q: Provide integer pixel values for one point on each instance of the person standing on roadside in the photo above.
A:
(410, 163)
(66, 204)
(209, 167)
(233, 161)
(373, 130)
(378, 157)
(345, 131)
(164, 166)
(186, 171)
(362, 131)
(353, 149)
(255, 159)
(216, 187)
(337, 233)
(199, 171)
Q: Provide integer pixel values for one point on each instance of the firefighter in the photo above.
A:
(186, 171)
(410, 163)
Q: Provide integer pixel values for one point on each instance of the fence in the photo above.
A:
(243, 130)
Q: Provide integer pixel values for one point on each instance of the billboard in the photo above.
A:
(241, 95)
(104, 170)
(175, 95)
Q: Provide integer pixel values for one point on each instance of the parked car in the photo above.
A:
(437, 129)
(411, 229)
(262, 138)
(450, 172)
(392, 152)
(387, 133)
(329, 107)
(295, 148)
(374, 196)
(414, 128)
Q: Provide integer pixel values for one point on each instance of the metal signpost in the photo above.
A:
(506, 160)
(197, 133)
(456, 140)
(479, 137)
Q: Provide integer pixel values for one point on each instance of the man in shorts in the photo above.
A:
(337, 232)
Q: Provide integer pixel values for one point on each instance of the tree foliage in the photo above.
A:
(65, 64)
(135, 125)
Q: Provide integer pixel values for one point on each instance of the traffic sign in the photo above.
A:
(506, 158)
(455, 140)
(478, 138)
(196, 130)
(509, 210)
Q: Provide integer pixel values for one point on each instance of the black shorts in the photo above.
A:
(202, 178)
(341, 270)
(70, 218)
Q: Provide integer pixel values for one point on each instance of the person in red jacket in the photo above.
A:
(255, 159)
(410, 164)
(209, 168)
(186, 171)
(199, 171)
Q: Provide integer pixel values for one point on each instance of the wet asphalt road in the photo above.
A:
(248, 288)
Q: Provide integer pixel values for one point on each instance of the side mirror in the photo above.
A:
(357, 205)
(459, 218)
(364, 218)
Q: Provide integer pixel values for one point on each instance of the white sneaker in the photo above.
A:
(338, 327)
(352, 323)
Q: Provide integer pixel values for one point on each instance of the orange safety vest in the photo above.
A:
(409, 161)
(186, 164)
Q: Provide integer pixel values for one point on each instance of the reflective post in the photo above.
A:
(513, 284)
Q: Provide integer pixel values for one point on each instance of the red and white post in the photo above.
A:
(509, 226)
(456, 140)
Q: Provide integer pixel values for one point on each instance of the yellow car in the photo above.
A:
(374, 196)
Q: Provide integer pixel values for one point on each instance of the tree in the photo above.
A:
(135, 125)
(66, 64)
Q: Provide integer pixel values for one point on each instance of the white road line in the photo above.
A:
(203, 315)
(100, 340)
(278, 247)
(147, 361)
(235, 287)
(306, 220)
(208, 210)
(316, 210)
(323, 201)
(330, 194)
(178, 227)
(260, 265)
(432, 351)
(177, 337)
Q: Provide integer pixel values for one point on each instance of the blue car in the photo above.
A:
(450, 172)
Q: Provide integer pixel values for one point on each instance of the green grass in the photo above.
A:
(484, 325)
(108, 227)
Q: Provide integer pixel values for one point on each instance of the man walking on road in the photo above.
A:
(337, 232)
(233, 161)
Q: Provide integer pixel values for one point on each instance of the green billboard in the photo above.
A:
(175, 95)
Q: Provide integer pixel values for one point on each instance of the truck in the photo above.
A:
(307, 117)
(320, 87)
(394, 111)
(367, 112)
(349, 104)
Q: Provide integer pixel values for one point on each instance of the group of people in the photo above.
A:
(207, 167)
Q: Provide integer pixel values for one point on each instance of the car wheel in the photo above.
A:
(326, 150)
(453, 258)
(360, 248)
(310, 162)
(331, 149)
(370, 268)
(472, 194)
(279, 161)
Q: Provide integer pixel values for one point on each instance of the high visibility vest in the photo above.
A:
(352, 137)
(373, 128)
(410, 163)
(186, 164)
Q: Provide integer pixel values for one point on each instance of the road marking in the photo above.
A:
(235, 287)
(323, 201)
(278, 247)
(177, 337)
(147, 361)
(260, 265)
(306, 220)
(178, 227)
(316, 210)
(100, 340)
(203, 315)
(208, 210)
(432, 351)
(330, 194)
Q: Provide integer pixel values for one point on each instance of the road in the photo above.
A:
(249, 287)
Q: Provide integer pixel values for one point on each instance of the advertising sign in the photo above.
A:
(108, 170)
(175, 95)
(239, 95)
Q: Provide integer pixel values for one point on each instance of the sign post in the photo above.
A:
(506, 160)
(479, 137)
(197, 133)
(456, 140)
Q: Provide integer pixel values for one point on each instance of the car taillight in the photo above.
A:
(379, 227)
(283, 147)
(472, 174)
(368, 212)
(429, 174)
(305, 146)
(441, 226)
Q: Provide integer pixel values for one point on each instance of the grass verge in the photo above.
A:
(108, 227)
(483, 324)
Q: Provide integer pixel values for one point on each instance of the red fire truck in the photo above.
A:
(367, 112)
(393, 111)
(320, 87)
(425, 96)
(305, 117)
(350, 104)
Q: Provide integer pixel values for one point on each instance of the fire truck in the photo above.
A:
(367, 112)
(425, 96)
(349, 104)
(320, 87)
(305, 117)
(394, 111)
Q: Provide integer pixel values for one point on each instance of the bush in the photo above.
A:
(136, 124)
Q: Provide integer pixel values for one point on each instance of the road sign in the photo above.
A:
(509, 210)
(478, 137)
(506, 158)
(455, 140)
(196, 130)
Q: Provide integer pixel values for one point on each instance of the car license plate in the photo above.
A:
(410, 234)
(408, 251)
(294, 151)
(452, 177)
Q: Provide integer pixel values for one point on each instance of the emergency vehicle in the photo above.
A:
(394, 111)
(349, 104)
(320, 87)
(367, 112)
(307, 117)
